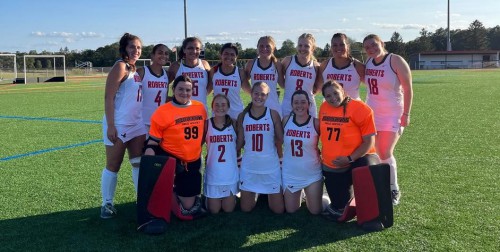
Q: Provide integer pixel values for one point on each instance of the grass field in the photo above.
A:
(51, 159)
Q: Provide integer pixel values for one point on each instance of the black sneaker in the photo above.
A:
(108, 211)
(332, 213)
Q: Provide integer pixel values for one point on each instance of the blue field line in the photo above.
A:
(50, 150)
(50, 119)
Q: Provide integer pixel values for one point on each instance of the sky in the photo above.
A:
(89, 24)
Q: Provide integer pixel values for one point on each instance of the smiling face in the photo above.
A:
(183, 91)
(160, 55)
(220, 106)
(340, 47)
(374, 47)
(192, 50)
(228, 57)
(134, 49)
(300, 104)
(334, 95)
(259, 94)
(305, 48)
(265, 47)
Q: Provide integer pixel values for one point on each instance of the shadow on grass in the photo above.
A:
(260, 230)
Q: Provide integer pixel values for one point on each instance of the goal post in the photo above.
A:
(14, 67)
(54, 57)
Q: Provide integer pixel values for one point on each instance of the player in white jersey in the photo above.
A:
(226, 78)
(301, 73)
(301, 161)
(390, 95)
(342, 67)
(268, 69)
(123, 126)
(154, 83)
(221, 170)
(259, 133)
(192, 66)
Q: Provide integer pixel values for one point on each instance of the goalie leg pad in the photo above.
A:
(373, 194)
(155, 191)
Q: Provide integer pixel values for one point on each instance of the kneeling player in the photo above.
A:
(177, 131)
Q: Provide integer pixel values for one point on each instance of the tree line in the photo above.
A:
(475, 37)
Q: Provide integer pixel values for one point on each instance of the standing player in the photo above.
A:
(154, 83)
(226, 78)
(267, 68)
(221, 171)
(390, 95)
(342, 67)
(301, 73)
(123, 126)
(191, 65)
(177, 131)
(347, 137)
(301, 160)
(259, 133)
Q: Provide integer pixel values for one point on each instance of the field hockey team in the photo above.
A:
(266, 148)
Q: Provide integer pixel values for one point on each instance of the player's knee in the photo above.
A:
(135, 162)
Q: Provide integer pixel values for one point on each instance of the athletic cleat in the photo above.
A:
(197, 211)
(332, 213)
(373, 226)
(108, 211)
(396, 196)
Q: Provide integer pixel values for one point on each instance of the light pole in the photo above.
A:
(448, 44)
(185, 20)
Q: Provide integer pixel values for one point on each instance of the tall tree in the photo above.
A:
(477, 36)
(287, 48)
(439, 38)
(396, 45)
(494, 37)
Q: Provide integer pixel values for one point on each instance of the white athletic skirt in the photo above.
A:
(260, 183)
(220, 191)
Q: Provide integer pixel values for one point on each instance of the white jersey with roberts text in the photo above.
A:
(299, 77)
(301, 159)
(154, 92)
(230, 85)
(348, 77)
(199, 75)
(260, 155)
(221, 163)
(384, 94)
(128, 101)
(268, 75)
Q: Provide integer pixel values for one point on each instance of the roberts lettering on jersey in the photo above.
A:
(373, 72)
(194, 75)
(221, 139)
(258, 127)
(298, 133)
(188, 118)
(339, 77)
(226, 83)
(264, 77)
(157, 84)
(300, 73)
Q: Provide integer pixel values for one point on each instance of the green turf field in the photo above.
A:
(51, 160)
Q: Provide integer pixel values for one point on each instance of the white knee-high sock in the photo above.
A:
(109, 180)
(394, 172)
(135, 177)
